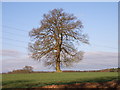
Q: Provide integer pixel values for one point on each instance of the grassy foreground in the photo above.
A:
(29, 80)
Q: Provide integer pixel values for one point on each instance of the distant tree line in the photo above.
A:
(26, 69)
(29, 69)
(103, 70)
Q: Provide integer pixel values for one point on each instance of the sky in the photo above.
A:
(100, 20)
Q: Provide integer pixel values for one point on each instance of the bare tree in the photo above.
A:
(55, 39)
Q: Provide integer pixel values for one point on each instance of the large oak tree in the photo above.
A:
(55, 40)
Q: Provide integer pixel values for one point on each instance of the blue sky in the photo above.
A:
(100, 20)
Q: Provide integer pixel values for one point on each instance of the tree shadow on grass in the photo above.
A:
(17, 81)
(95, 80)
(30, 84)
(16, 84)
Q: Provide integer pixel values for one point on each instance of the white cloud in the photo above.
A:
(98, 60)
(92, 60)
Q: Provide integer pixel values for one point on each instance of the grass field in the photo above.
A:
(41, 79)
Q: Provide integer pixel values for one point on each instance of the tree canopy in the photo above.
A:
(54, 41)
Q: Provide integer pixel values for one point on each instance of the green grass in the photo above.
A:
(41, 79)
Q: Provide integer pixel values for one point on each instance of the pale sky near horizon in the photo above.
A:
(100, 20)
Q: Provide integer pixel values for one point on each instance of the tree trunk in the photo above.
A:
(58, 66)
(58, 60)
(59, 43)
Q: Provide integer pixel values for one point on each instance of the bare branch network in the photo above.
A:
(54, 39)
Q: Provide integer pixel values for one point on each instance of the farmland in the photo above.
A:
(29, 80)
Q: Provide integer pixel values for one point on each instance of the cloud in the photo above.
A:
(98, 60)
(14, 59)
(10, 53)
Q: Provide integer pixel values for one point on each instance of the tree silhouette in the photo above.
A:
(28, 68)
(54, 41)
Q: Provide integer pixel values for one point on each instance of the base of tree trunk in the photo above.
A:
(58, 70)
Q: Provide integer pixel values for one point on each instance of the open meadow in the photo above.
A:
(29, 80)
